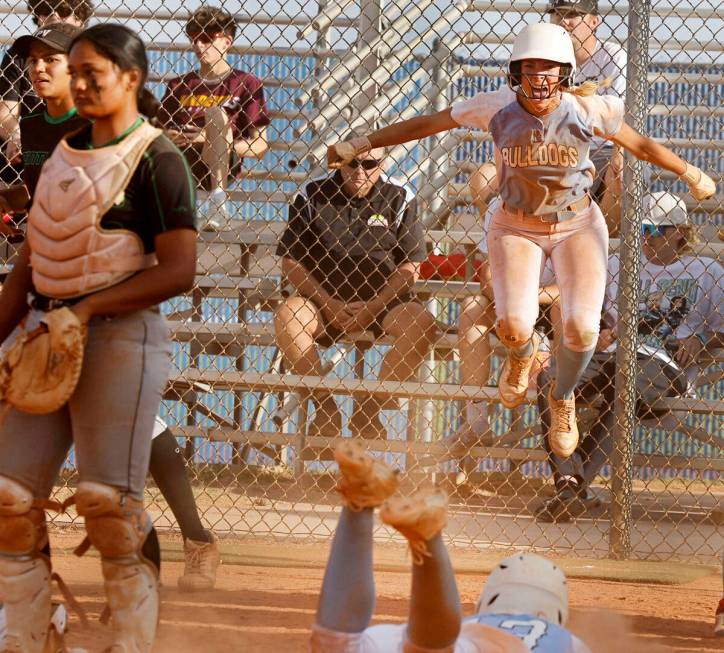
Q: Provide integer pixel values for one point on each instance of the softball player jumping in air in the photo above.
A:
(542, 127)
(523, 605)
(111, 234)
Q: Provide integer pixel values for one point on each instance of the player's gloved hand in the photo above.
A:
(343, 152)
(701, 185)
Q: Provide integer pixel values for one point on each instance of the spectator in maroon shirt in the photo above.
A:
(216, 114)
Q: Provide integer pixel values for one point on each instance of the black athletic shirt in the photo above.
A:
(351, 246)
(39, 134)
(15, 85)
(160, 196)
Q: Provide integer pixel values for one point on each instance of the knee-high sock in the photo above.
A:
(347, 599)
(435, 612)
(524, 351)
(168, 469)
(569, 369)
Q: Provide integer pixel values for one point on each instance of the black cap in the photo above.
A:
(58, 36)
(581, 6)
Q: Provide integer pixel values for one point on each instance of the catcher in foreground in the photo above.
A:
(523, 606)
(110, 235)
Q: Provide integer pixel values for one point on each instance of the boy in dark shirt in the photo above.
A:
(47, 69)
(216, 114)
(40, 131)
(17, 98)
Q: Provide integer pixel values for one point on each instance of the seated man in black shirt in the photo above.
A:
(352, 251)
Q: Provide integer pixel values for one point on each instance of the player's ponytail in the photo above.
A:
(588, 88)
(690, 238)
(148, 105)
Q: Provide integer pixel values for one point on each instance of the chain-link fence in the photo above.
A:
(358, 303)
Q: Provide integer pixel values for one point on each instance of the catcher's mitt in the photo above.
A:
(40, 370)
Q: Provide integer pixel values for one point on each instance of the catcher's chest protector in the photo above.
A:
(71, 255)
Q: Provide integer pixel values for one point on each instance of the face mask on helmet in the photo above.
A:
(515, 80)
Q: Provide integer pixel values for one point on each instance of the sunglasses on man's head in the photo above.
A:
(46, 9)
(367, 164)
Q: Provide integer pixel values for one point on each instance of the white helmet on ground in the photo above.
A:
(543, 41)
(526, 583)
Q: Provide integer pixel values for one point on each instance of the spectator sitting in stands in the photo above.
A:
(598, 61)
(16, 94)
(216, 114)
(352, 251)
(667, 363)
(477, 318)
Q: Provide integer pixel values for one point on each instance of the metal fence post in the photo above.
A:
(634, 188)
(369, 30)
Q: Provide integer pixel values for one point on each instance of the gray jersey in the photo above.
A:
(542, 162)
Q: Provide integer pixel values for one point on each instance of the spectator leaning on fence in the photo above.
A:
(603, 62)
(216, 114)
(351, 252)
(688, 293)
(16, 94)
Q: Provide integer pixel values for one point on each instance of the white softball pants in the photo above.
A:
(578, 250)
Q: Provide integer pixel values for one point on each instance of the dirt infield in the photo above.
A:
(267, 595)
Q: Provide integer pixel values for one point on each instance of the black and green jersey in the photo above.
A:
(160, 196)
(39, 134)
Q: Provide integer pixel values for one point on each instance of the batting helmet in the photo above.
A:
(542, 41)
(526, 584)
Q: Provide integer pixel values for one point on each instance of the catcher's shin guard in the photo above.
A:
(24, 572)
(118, 527)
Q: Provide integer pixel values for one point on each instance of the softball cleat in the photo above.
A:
(563, 434)
(419, 518)
(201, 561)
(365, 481)
(515, 376)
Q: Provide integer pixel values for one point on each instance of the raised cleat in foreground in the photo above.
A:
(364, 481)
(419, 518)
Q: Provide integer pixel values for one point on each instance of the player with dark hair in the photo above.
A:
(110, 235)
(41, 131)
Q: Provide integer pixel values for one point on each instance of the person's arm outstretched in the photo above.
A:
(701, 186)
(395, 134)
